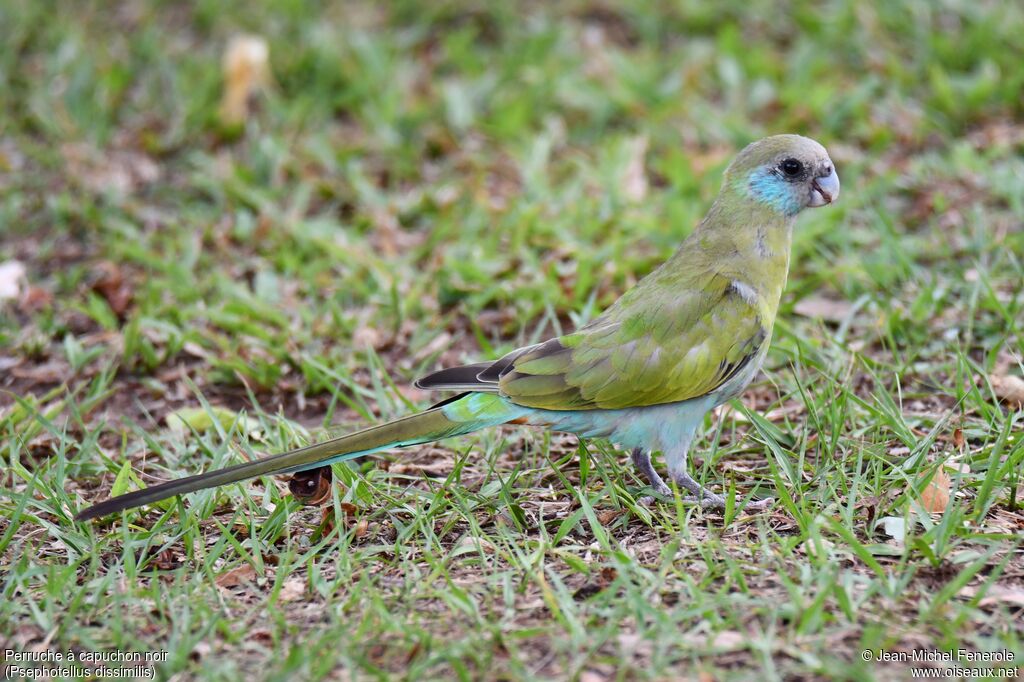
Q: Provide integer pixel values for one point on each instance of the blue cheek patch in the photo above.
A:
(770, 189)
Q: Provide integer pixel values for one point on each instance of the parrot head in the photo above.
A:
(788, 173)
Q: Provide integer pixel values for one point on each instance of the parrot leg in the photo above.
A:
(705, 496)
(676, 459)
(642, 461)
(710, 500)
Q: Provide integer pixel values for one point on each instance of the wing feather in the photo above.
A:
(664, 351)
(644, 350)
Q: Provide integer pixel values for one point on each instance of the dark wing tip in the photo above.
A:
(111, 506)
(453, 378)
(120, 503)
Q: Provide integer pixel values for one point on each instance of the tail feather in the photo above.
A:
(469, 413)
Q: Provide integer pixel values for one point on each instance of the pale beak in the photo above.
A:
(824, 189)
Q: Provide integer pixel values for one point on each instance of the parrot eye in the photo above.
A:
(791, 167)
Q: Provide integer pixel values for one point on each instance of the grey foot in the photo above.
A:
(642, 461)
(709, 500)
(712, 501)
(698, 493)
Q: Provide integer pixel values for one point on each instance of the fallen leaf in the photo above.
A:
(822, 308)
(164, 561)
(112, 286)
(195, 350)
(439, 343)
(312, 487)
(634, 177)
(367, 337)
(246, 68)
(895, 527)
(935, 495)
(958, 438)
(588, 590)
(262, 636)
(236, 576)
(200, 650)
(109, 171)
(292, 590)
(726, 640)
(729, 639)
(12, 278)
(1009, 389)
(34, 300)
(870, 506)
(996, 594)
(478, 544)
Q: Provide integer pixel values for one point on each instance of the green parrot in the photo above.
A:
(688, 337)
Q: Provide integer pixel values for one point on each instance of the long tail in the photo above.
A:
(459, 416)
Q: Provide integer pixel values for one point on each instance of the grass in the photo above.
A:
(431, 183)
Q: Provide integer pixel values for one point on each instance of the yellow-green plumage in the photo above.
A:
(683, 331)
(689, 336)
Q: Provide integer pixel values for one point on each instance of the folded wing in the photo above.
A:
(645, 350)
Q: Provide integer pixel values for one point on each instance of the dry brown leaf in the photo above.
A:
(262, 636)
(246, 67)
(634, 178)
(34, 300)
(823, 308)
(312, 487)
(1009, 389)
(12, 278)
(439, 343)
(935, 495)
(164, 561)
(726, 640)
(111, 285)
(236, 576)
(958, 438)
(368, 337)
(106, 171)
(996, 594)
(292, 590)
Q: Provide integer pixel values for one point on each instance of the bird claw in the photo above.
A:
(699, 495)
(760, 505)
(711, 501)
(714, 501)
(660, 492)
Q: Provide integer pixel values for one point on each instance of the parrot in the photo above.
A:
(643, 374)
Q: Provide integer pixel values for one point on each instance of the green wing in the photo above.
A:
(645, 350)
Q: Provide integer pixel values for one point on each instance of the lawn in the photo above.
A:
(417, 184)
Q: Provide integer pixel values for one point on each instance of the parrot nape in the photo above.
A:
(688, 337)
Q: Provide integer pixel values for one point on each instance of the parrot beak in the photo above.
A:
(824, 189)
